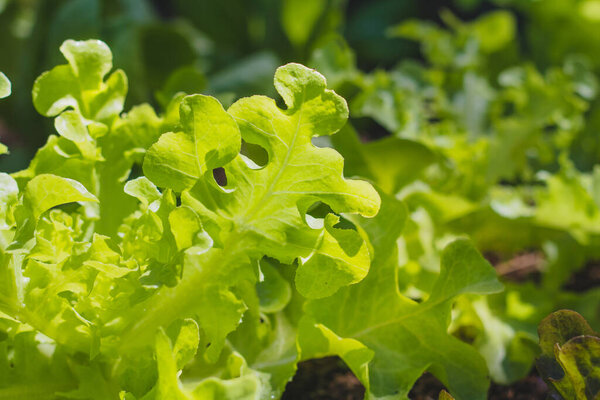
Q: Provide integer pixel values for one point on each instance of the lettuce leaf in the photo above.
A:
(260, 211)
(387, 339)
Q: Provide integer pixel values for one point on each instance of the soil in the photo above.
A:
(522, 267)
(531, 387)
(324, 379)
(585, 279)
(427, 387)
(329, 379)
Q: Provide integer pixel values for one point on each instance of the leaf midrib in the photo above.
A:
(420, 309)
(265, 197)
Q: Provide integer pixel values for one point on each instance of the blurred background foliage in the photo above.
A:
(231, 48)
(482, 115)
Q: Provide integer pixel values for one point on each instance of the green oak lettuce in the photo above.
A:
(202, 252)
(482, 144)
(103, 268)
(389, 340)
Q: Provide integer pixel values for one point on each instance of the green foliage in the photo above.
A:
(485, 145)
(201, 244)
(125, 295)
(405, 338)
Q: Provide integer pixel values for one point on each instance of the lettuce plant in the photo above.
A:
(202, 253)
(481, 142)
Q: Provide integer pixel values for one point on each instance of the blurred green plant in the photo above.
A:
(484, 144)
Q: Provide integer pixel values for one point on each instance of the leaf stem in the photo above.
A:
(170, 304)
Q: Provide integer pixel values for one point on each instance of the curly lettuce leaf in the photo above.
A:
(46, 191)
(42, 193)
(407, 338)
(179, 159)
(109, 294)
(31, 367)
(96, 146)
(230, 379)
(80, 84)
(268, 204)
(261, 211)
(137, 280)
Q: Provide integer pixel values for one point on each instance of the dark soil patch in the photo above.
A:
(531, 387)
(324, 379)
(427, 387)
(585, 279)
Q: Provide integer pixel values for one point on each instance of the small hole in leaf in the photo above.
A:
(220, 176)
(256, 157)
(280, 103)
(319, 210)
